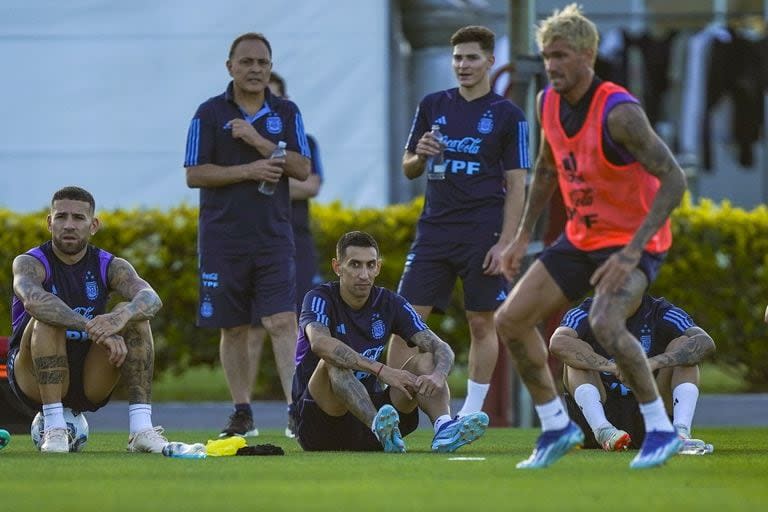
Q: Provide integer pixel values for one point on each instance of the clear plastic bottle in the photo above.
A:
(436, 164)
(185, 451)
(266, 187)
(695, 447)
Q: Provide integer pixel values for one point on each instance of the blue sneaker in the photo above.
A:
(657, 447)
(5, 438)
(454, 434)
(385, 426)
(551, 445)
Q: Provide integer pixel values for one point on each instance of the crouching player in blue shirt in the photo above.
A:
(599, 400)
(343, 330)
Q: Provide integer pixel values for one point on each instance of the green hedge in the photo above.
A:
(716, 270)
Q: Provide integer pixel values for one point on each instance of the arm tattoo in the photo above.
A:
(629, 126)
(590, 361)
(144, 301)
(28, 277)
(428, 341)
(695, 346)
(340, 354)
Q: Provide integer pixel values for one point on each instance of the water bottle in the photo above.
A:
(184, 451)
(266, 187)
(695, 447)
(436, 164)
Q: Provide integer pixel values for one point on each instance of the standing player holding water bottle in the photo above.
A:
(472, 209)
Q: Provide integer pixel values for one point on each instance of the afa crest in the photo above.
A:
(378, 329)
(274, 124)
(91, 286)
(206, 308)
(485, 125)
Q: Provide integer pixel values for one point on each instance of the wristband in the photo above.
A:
(378, 372)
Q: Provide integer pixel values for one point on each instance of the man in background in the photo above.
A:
(246, 249)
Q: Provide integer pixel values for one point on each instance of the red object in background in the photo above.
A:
(3, 354)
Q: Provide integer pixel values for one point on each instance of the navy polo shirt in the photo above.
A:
(655, 324)
(365, 330)
(484, 137)
(238, 216)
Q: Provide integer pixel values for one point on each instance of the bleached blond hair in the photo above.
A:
(570, 25)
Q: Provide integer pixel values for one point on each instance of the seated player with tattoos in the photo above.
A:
(598, 399)
(343, 330)
(66, 349)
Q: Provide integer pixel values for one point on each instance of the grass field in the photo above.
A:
(105, 478)
(204, 383)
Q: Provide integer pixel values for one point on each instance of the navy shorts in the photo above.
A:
(307, 275)
(571, 268)
(75, 398)
(623, 413)
(430, 274)
(240, 288)
(318, 431)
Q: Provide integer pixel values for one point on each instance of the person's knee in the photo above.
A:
(280, 323)
(481, 326)
(510, 322)
(420, 364)
(607, 329)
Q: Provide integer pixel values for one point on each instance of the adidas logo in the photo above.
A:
(501, 296)
(441, 120)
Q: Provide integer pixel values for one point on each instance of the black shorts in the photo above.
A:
(240, 288)
(317, 431)
(571, 267)
(75, 398)
(622, 412)
(431, 270)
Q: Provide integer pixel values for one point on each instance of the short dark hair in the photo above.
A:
(250, 36)
(280, 81)
(75, 194)
(355, 239)
(475, 34)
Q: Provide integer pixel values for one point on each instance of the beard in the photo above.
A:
(69, 248)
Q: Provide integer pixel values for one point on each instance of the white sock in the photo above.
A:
(655, 416)
(476, 394)
(552, 415)
(587, 397)
(53, 416)
(684, 398)
(440, 420)
(139, 417)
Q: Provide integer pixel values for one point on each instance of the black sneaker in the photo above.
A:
(240, 423)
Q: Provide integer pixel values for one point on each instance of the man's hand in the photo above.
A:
(512, 256)
(613, 274)
(103, 326)
(243, 130)
(493, 259)
(269, 170)
(403, 380)
(428, 385)
(115, 345)
(428, 145)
